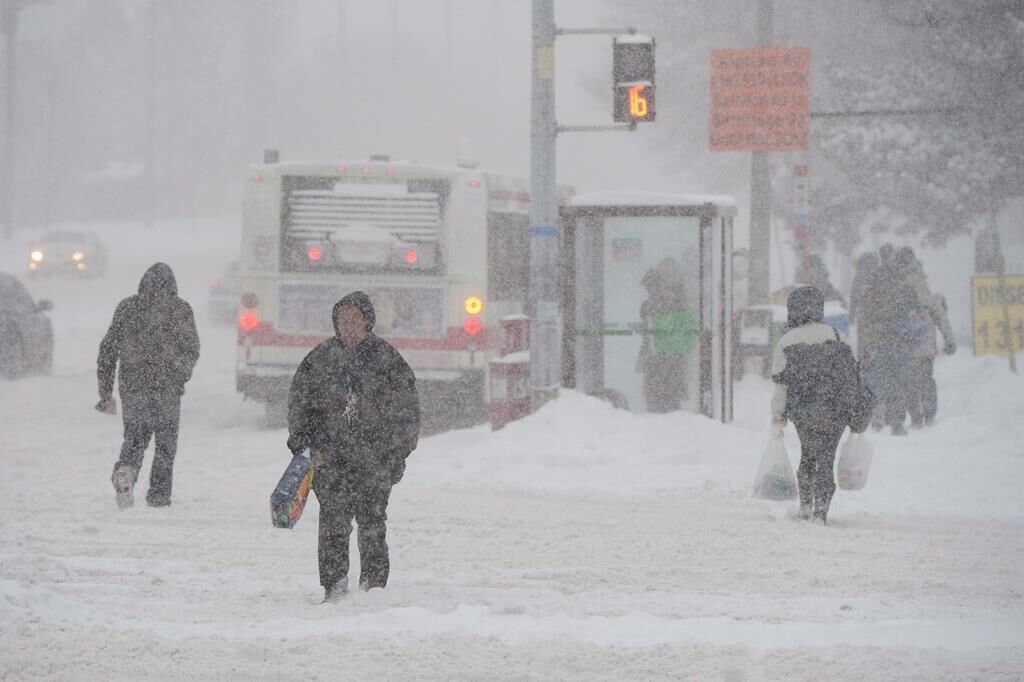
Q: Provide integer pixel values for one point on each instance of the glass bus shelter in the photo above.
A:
(647, 300)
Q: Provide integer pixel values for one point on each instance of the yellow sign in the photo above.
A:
(993, 334)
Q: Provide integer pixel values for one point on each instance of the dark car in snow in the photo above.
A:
(224, 293)
(26, 334)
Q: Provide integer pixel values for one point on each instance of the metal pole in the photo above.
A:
(152, 29)
(545, 316)
(10, 28)
(759, 282)
(1001, 274)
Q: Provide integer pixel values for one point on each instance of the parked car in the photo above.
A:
(224, 293)
(26, 334)
(68, 251)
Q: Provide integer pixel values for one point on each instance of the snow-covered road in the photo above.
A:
(583, 542)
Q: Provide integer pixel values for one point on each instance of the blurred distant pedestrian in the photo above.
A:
(898, 306)
(922, 392)
(816, 275)
(153, 345)
(353, 403)
(669, 336)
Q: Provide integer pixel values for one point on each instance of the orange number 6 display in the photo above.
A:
(637, 102)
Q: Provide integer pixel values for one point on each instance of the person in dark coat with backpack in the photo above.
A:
(815, 376)
(353, 404)
(153, 346)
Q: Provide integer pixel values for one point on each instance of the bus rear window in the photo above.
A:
(345, 225)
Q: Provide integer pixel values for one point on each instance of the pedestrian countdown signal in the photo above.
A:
(633, 102)
(633, 79)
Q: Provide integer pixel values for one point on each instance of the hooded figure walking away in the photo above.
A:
(353, 403)
(815, 378)
(153, 340)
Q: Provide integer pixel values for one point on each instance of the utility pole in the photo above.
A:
(544, 312)
(759, 282)
(9, 19)
(153, 32)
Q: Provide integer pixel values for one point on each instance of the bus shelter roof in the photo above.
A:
(646, 203)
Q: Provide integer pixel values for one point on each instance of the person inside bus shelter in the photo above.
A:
(669, 335)
(353, 404)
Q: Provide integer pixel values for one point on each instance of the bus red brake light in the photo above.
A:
(411, 256)
(473, 326)
(314, 253)
(248, 320)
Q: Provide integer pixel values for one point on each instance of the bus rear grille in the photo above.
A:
(413, 217)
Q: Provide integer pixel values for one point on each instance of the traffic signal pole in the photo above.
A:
(9, 20)
(759, 281)
(544, 302)
(543, 309)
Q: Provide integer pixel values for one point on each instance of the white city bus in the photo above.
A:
(443, 253)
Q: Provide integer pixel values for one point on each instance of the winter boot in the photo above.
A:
(335, 593)
(899, 430)
(819, 516)
(124, 481)
(157, 500)
(805, 511)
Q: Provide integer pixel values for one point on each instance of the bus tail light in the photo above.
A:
(473, 326)
(248, 320)
(411, 256)
(314, 254)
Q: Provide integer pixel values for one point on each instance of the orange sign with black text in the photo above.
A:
(760, 99)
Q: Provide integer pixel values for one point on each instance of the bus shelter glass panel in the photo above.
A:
(647, 311)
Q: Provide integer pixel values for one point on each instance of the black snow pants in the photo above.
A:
(818, 443)
(922, 393)
(152, 415)
(344, 496)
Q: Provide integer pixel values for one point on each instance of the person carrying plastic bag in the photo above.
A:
(774, 480)
(818, 388)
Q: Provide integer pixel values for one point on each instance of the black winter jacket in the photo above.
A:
(153, 337)
(358, 405)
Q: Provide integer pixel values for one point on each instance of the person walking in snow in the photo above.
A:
(922, 392)
(353, 404)
(815, 378)
(153, 346)
(899, 305)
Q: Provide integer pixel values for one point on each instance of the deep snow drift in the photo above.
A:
(582, 542)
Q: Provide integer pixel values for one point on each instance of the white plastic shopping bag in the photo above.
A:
(854, 462)
(775, 479)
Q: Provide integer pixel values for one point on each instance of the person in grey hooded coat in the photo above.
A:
(353, 404)
(153, 345)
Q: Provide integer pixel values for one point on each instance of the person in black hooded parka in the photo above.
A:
(353, 403)
(816, 386)
(153, 337)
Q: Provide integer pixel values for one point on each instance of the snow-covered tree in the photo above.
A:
(942, 137)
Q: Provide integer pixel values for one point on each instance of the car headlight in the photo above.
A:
(77, 256)
(36, 255)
